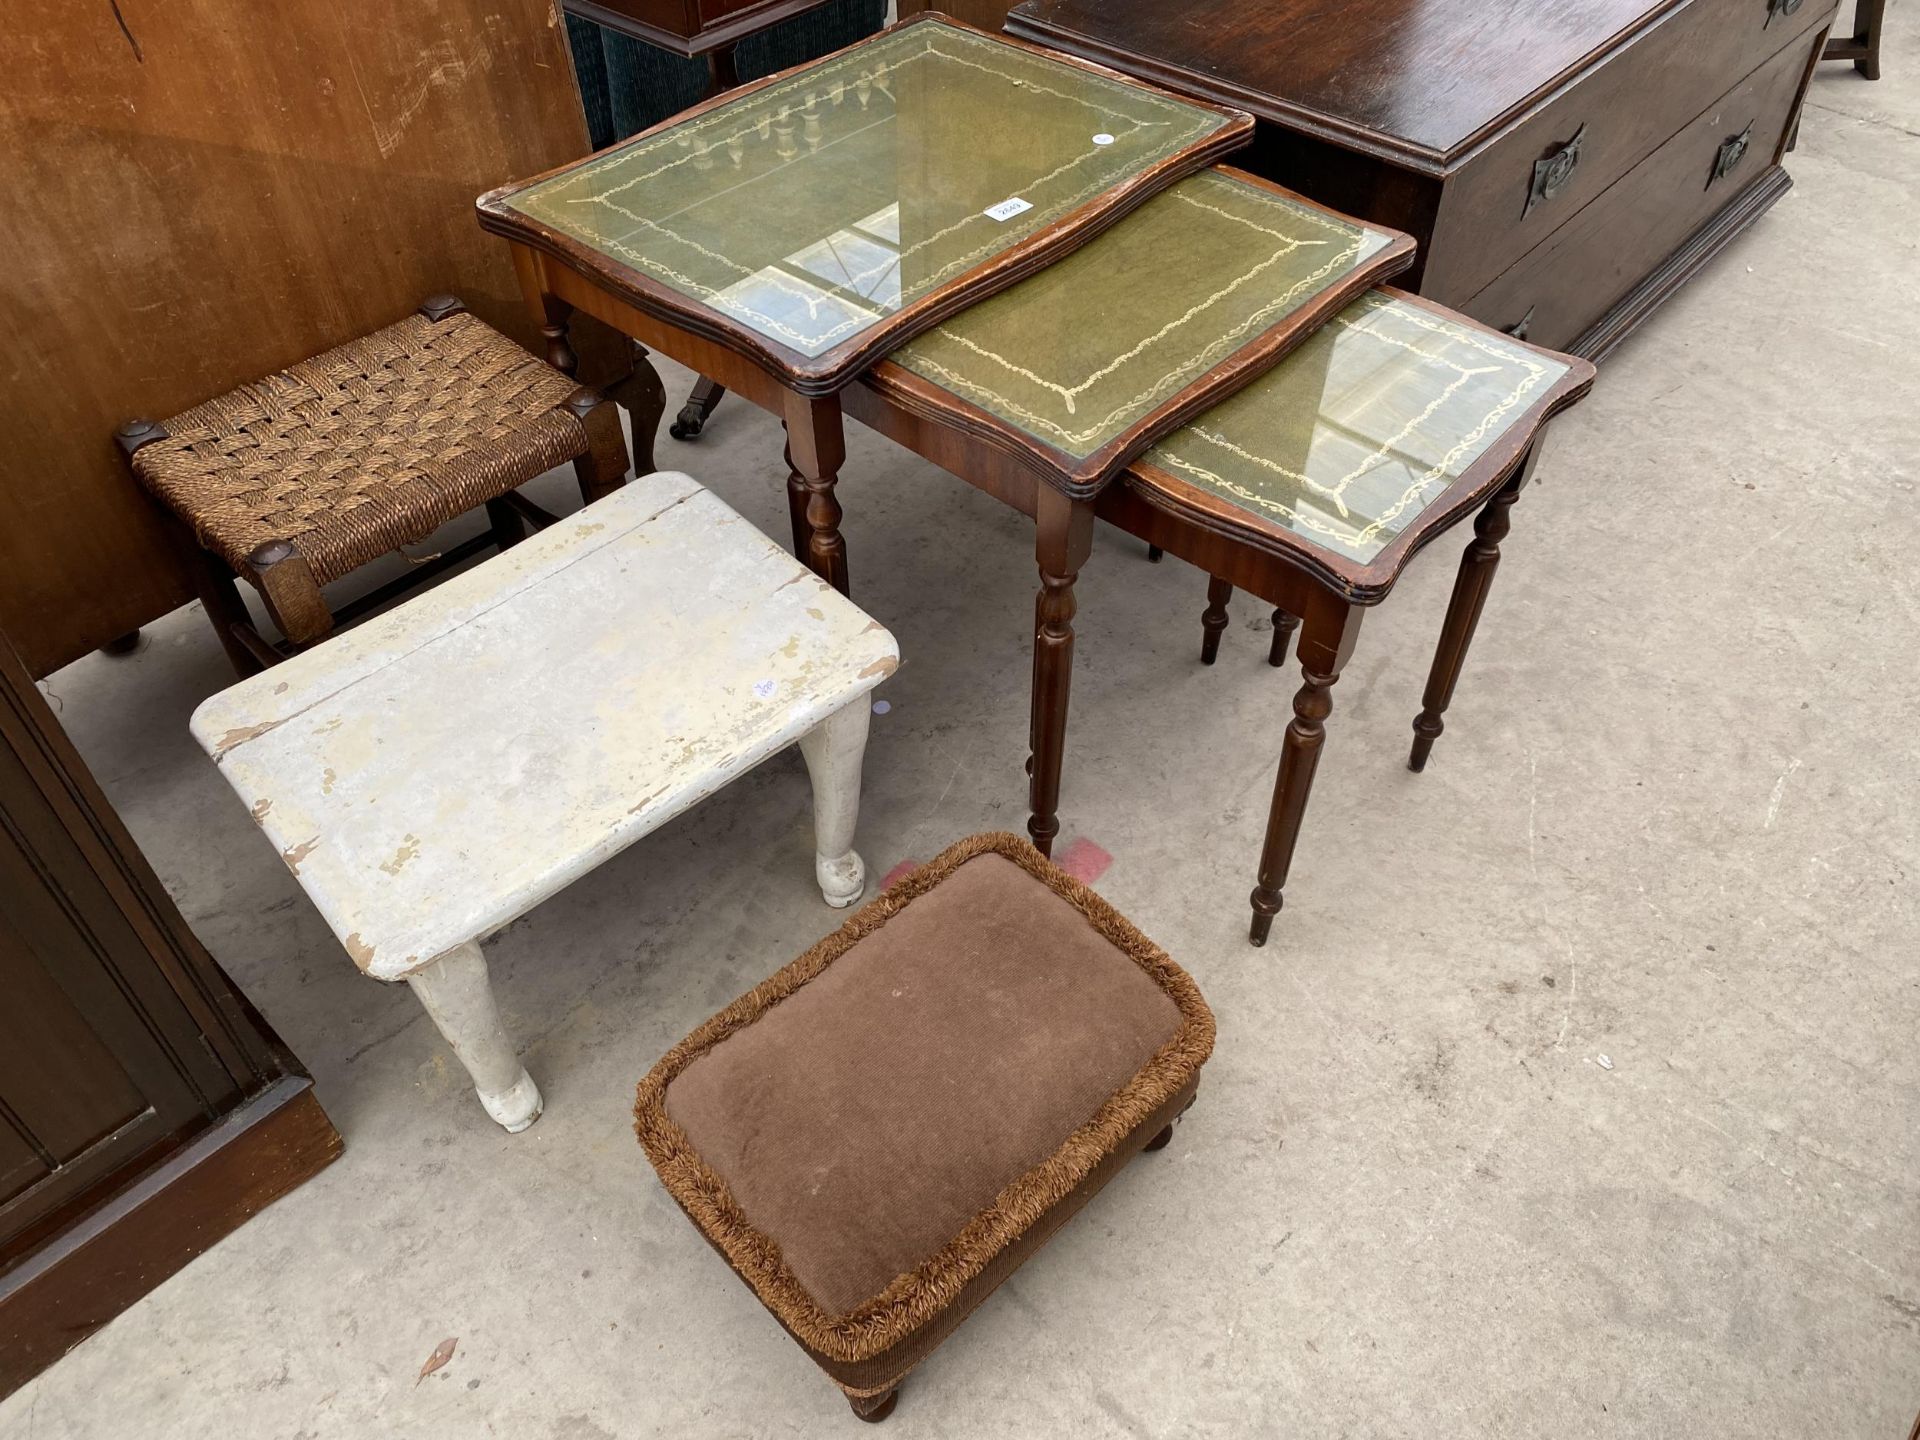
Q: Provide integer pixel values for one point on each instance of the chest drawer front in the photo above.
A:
(1565, 284)
(1532, 180)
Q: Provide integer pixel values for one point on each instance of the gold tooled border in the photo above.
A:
(911, 1300)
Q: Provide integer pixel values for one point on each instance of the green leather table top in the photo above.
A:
(1099, 340)
(1350, 438)
(811, 209)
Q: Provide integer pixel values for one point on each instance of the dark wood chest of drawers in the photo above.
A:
(1564, 164)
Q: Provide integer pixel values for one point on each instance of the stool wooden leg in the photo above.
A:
(292, 594)
(1325, 643)
(1063, 538)
(874, 1408)
(122, 644)
(504, 521)
(459, 999)
(1470, 586)
(603, 469)
(817, 442)
(834, 750)
(1154, 554)
(1213, 619)
(1283, 628)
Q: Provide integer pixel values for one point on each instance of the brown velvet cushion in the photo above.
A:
(864, 1133)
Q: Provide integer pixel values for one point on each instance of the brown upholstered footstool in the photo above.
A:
(881, 1133)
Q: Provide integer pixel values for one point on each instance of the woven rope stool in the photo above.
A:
(880, 1134)
(301, 478)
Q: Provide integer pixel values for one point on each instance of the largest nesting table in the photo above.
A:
(783, 236)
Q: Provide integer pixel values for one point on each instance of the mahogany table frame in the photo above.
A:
(1328, 594)
(560, 275)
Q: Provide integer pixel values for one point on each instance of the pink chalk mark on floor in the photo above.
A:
(1084, 860)
(899, 872)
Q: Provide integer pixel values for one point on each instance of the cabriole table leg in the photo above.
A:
(459, 999)
(834, 750)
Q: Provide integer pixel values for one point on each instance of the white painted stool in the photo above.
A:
(437, 772)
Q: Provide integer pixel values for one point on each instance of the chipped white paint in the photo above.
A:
(438, 771)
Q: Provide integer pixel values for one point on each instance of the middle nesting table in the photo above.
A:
(1043, 395)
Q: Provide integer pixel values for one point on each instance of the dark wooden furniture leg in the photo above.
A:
(1213, 619)
(874, 1408)
(1863, 46)
(1470, 588)
(556, 317)
(1154, 554)
(817, 447)
(701, 403)
(1327, 638)
(603, 469)
(796, 503)
(1283, 628)
(1063, 538)
(122, 644)
(645, 398)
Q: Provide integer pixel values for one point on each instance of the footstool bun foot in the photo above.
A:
(515, 1108)
(1160, 1141)
(842, 881)
(874, 1408)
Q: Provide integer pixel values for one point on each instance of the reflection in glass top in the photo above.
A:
(810, 209)
(1357, 432)
(1097, 341)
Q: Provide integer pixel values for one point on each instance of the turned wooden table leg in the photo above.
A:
(1470, 588)
(834, 751)
(1213, 619)
(1063, 538)
(1283, 628)
(1326, 641)
(796, 504)
(458, 997)
(817, 447)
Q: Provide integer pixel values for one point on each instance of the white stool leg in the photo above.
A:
(833, 750)
(459, 1000)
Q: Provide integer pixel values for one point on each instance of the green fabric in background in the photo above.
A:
(627, 85)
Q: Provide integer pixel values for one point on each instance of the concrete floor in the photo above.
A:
(1674, 822)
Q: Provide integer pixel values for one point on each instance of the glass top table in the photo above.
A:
(1347, 443)
(815, 220)
(1079, 367)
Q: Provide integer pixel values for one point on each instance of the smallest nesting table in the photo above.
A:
(436, 773)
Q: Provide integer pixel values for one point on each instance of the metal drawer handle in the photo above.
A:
(1732, 151)
(1518, 330)
(1777, 8)
(1551, 173)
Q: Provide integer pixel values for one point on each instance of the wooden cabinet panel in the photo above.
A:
(1567, 284)
(121, 1045)
(199, 193)
(1636, 103)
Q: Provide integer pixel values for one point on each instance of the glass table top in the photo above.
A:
(1350, 438)
(812, 209)
(1099, 340)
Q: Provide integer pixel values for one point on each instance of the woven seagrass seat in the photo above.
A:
(298, 480)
